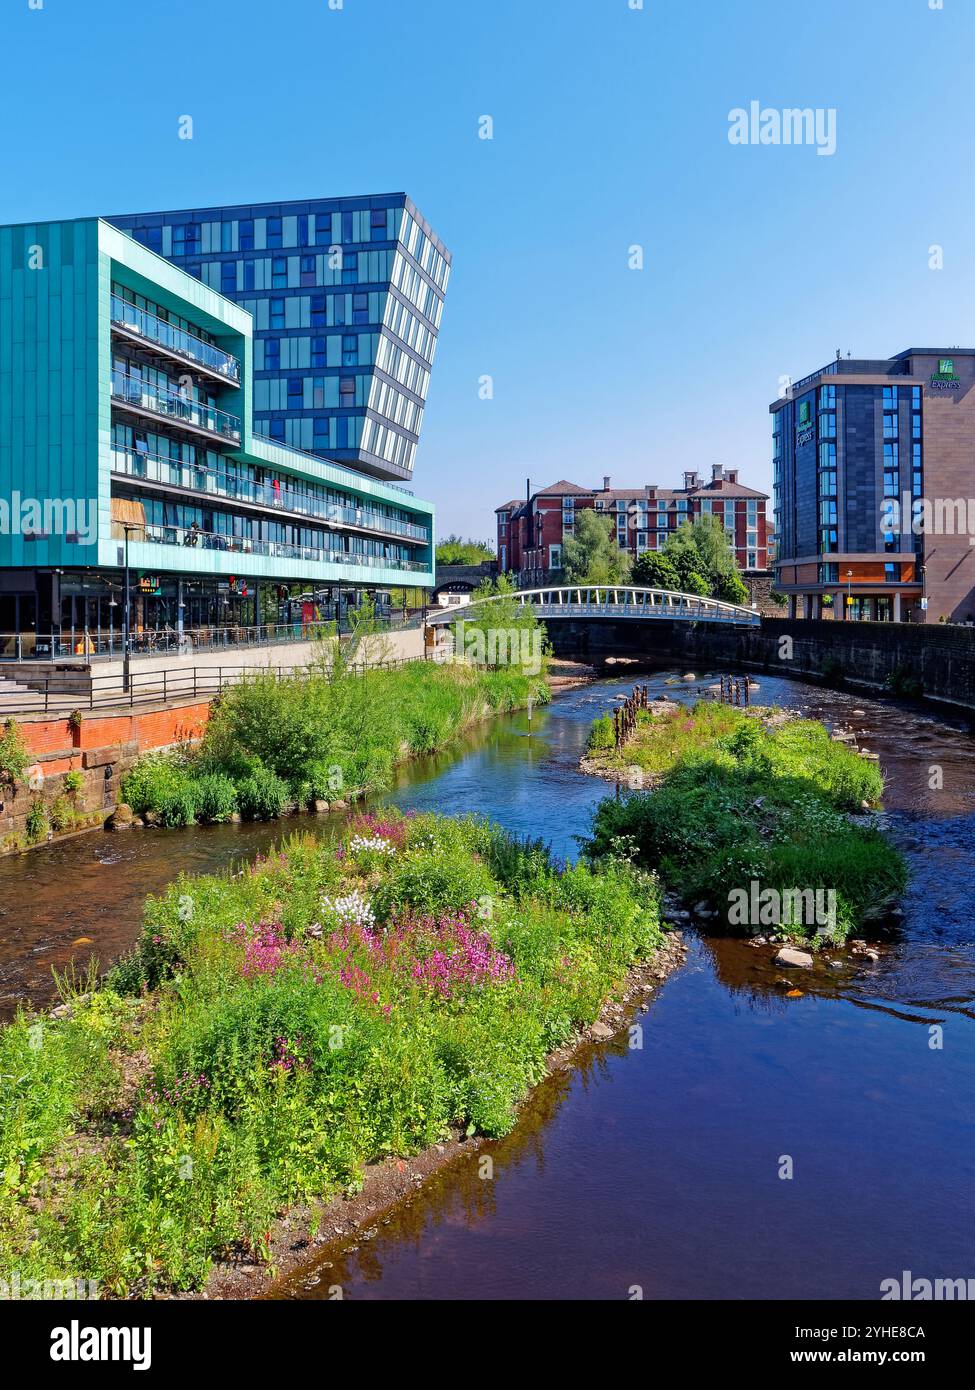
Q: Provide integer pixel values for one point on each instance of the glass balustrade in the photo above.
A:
(134, 391)
(174, 339)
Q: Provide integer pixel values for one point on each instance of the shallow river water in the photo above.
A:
(656, 1167)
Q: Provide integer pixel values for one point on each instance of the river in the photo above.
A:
(654, 1171)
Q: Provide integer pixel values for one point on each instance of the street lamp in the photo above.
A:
(127, 526)
(849, 593)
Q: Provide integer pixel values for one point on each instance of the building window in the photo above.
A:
(273, 233)
(245, 235)
(277, 313)
(827, 397)
(272, 354)
(308, 270)
(296, 393)
(350, 350)
(318, 311)
(318, 352)
(892, 574)
(228, 277)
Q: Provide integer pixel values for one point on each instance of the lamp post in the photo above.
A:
(127, 612)
(849, 593)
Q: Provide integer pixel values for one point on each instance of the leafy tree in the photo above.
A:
(453, 550)
(654, 570)
(591, 556)
(701, 554)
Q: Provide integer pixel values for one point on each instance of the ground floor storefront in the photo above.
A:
(876, 606)
(67, 613)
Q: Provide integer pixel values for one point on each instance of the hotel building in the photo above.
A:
(128, 441)
(871, 459)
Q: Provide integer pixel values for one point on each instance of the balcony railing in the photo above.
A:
(175, 340)
(219, 483)
(142, 395)
(193, 538)
(321, 458)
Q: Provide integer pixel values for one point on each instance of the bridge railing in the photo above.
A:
(625, 601)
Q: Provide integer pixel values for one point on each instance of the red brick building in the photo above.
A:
(531, 532)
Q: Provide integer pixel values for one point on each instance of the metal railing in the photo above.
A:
(168, 641)
(619, 601)
(322, 458)
(193, 538)
(143, 395)
(156, 468)
(160, 686)
(174, 339)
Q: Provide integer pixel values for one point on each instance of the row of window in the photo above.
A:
(325, 350)
(295, 272)
(325, 434)
(271, 233)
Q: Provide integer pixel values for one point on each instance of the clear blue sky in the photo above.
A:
(610, 129)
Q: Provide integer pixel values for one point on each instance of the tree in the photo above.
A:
(701, 554)
(655, 571)
(591, 555)
(452, 550)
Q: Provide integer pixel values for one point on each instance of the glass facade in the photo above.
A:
(346, 296)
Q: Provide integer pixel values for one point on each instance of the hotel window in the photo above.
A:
(829, 574)
(828, 540)
(250, 275)
(272, 354)
(318, 311)
(228, 277)
(827, 511)
(277, 313)
(246, 235)
(347, 391)
(318, 352)
(892, 574)
(308, 270)
(273, 233)
(279, 273)
(916, 471)
(891, 482)
(915, 398)
(827, 397)
(360, 308)
(296, 393)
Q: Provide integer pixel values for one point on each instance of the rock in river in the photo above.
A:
(798, 960)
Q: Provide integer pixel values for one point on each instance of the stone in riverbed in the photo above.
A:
(796, 960)
(601, 1031)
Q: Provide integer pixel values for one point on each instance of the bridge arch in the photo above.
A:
(616, 602)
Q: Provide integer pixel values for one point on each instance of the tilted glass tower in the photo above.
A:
(346, 296)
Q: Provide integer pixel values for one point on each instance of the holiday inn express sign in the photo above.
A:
(944, 379)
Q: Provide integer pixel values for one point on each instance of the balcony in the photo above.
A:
(192, 538)
(145, 399)
(141, 326)
(208, 482)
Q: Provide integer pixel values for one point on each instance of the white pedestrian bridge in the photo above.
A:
(615, 601)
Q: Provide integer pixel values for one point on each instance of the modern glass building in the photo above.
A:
(346, 296)
(871, 470)
(128, 444)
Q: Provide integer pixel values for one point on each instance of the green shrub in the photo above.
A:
(177, 804)
(602, 733)
(262, 795)
(14, 754)
(215, 798)
(152, 781)
(62, 814)
(73, 781)
(36, 823)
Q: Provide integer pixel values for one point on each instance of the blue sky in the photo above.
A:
(610, 130)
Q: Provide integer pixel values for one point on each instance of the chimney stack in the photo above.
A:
(690, 478)
(606, 482)
(732, 475)
(716, 472)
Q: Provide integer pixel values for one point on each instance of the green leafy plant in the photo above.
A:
(73, 781)
(14, 754)
(262, 795)
(36, 823)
